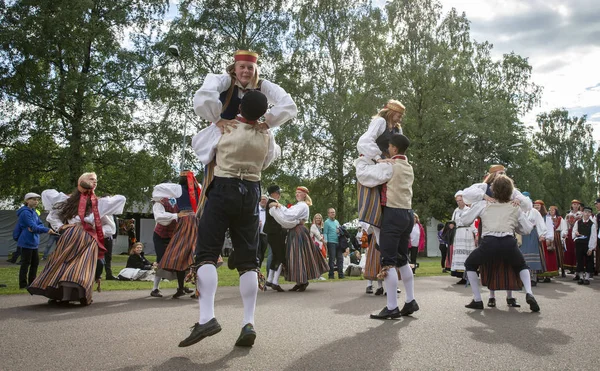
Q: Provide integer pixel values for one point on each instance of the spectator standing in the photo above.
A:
(27, 231)
(316, 233)
(331, 230)
(263, 241)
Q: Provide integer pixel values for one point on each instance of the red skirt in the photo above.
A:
(551, 261)
(570, 260)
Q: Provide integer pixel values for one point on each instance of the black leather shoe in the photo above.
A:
(187, 291)
(231, 260)
(576, 278)
(111, 278)
(475, 305)
(533, 305)
(268, 284)
(303, 287)
(247, 336)
(547, 280)
(461, 282)
(512, 302)
(586, 282)
(580, 282)
(491, 302)
(379, 291)
(178, 294)
(277, 288)
(199, 332)
(409, 308)
(387, 314)
(156, 294)
(369, 289)
(295, 288)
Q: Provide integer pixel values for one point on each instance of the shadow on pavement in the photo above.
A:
(185, 364)
(334, 356)
(517, 328)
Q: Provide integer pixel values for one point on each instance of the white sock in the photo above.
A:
(156, 283)
(369, 282)
(380, 283)
(524, 275)
(585, 276)
(474, 282)
(509, 294)
(271, 273)
(276, 275)
(207, 286)
(391, 282)
(406, 274)
(249, 290)
(492, 294)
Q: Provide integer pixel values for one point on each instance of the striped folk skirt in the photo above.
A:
(449, 257)
(180, 250)
(303, 261)
(551, 258)
(209, 174)
(560, 250)
(497, 275)
(533, 252)
(369, 205)
(373, 262)
(71, 269)
(570, 260)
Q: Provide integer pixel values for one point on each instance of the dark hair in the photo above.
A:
(254, 105)
(440, 226)
(401, 142)
(69, 208)
(503, 188)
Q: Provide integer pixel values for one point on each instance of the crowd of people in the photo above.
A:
(193, 220)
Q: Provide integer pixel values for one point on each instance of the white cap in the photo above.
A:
(31, 195)
(459, 193)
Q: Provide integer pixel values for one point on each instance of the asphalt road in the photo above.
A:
(325, 328)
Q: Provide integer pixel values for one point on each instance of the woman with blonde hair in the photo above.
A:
(303, 262)
(316, 233)
(81, 219)
(548, 244)
(218, 101)
(373, 147)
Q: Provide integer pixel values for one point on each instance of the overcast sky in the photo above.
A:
(561, 40)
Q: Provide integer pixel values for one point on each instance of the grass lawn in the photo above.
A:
(9, 274)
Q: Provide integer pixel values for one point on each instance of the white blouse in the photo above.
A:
(476, 192)
(161, 216)
(208, 106)
(289, 218)
(205, 145)
(112, 205)
(371, 174)
(367, 145)
(315, 233)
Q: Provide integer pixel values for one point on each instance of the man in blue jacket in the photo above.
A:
(27, 231)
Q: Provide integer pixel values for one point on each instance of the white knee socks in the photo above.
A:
(379, 283)
(207, 286)
(271, 274)
(276, 275)
(156, 283)
(406, 274)
(493, 294)
(391, 283)
(509, 294)
(248, 291)
(474, 282)
(524, 276)
(369, 282)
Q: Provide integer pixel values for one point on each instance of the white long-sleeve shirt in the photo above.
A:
(112, 205)
(367, 145)
(262, 217)
(537, 220)
(289, 218)
(161, 216)
(549, 228)
(593, 235)
(205, 145)
(316, 233)
(476, 192)
(208, 106)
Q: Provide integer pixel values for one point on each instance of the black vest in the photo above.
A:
(271, 225)
(585, 229)
(384, 140)
(233, 108)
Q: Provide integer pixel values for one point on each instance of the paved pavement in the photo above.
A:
(325, 328)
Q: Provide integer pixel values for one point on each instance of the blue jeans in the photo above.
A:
(335, 254)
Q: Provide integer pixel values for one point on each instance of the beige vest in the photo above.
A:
(399, 188)
(242, 153)
(498, 217)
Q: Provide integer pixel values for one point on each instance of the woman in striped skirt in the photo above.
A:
(547, 243)
(560, 233)
(70, 272)
(303, 261)
(179, 254)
